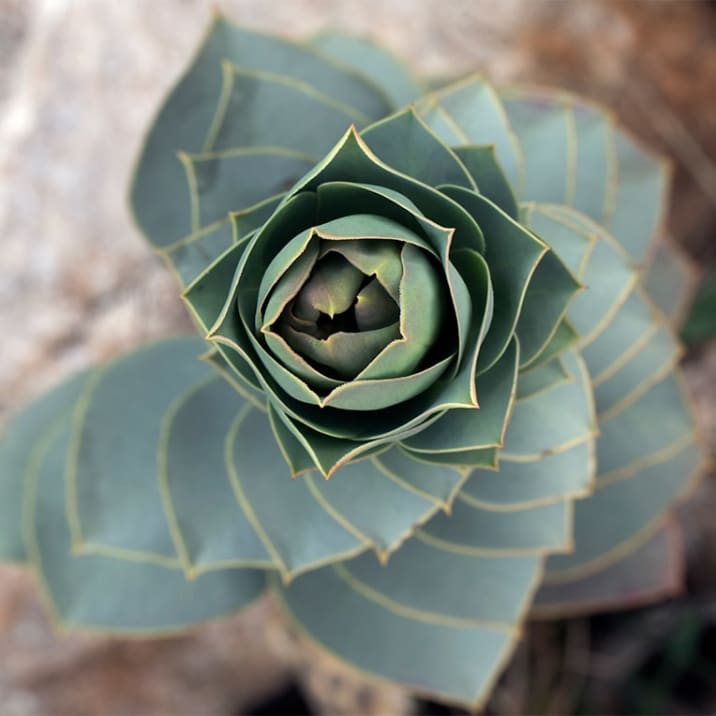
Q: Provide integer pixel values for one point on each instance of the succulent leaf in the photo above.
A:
(652, 571)
(92, 591)
(372, 62)
(639, 201)
(19, 453)
(546, 131)
(187, 115)
(626, 508)
(473, 530)
(473, 111)
(670, 280)
(114, 504)
(450, 658)
(595, 171)
(381, 510)
(233, 180)
(481, 162)
(210, 529)
(566, 474)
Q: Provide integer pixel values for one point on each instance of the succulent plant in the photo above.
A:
(440, 394)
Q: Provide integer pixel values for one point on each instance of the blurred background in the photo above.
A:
(79, 81)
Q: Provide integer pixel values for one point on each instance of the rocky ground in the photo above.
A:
(79, 80)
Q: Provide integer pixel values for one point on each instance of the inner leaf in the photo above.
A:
(330, 290)
(341, 317)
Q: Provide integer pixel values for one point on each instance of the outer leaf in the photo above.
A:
(517, 485)
(473, 112)
(595, 176)
(609, 278)
(653, 571)
(640, 200)
(650, 363)
(647, 457)
(191, 255)
(544, 125)
(646, 430)
(553, 420)
(236, 179)
(432, 655)
(278, 507)
(210, 528)
(426, 579)
(379, 509)
(374, 62)
(313, 125)
(670, 281)
(158, 196)
(438, 482)
(114, 595)
(114, 504)
(485, 532)
(18, 448)
(239, 375)
(634, 320)
(617, 517)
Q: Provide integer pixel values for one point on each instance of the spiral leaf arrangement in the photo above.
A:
(440, 393)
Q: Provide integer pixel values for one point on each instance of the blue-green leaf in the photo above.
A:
(405, 142)
(115, 595)
(544, 125)
(595, 177)
(652, 571)
(610, 523)
(473, 530)
(193, 254)
(443, 657)
(279, 506)
(521, 484)
(379, 508)
(235, 179)
(114, 503)
(373, 62)
(159, 198)
(476, 115)
(438, 482)
(553, 420)
(640, 202)
(19, 444)
(210, 528)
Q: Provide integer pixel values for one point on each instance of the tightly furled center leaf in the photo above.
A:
(341, 296)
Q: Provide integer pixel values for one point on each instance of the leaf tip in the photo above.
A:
(383, 556)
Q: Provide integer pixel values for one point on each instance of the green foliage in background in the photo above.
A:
(700, 324)
(434, 391)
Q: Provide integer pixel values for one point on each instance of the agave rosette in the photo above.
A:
(450, 303)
